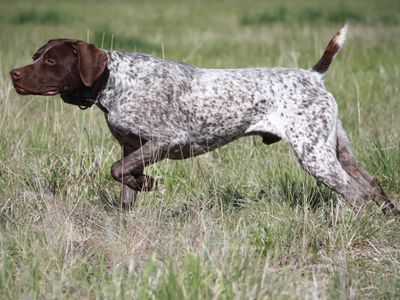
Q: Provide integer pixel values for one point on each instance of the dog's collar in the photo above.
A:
(87, 97)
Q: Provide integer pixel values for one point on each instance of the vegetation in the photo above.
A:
(242, 222)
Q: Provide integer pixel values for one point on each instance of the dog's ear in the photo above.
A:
(91, 62)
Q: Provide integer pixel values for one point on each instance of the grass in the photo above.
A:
(311, 15)
(31, 16)
(106, 38)
(241, 222)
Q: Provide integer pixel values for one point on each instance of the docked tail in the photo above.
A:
(335, 44)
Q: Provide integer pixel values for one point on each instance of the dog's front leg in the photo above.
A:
(129, 170)
(128, 195)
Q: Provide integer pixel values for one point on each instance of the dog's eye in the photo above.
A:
(49, 61)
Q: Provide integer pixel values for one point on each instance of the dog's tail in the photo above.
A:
(335, 44)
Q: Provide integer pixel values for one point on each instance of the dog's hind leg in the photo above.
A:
(314, 144)
(323, 164)
(350, 164)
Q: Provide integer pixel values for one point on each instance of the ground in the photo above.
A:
(242, 222)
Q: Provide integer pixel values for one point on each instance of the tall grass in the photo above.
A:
(241, 222)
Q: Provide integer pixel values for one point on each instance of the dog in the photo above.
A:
(159, 109)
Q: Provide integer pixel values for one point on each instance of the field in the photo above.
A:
(242, 222)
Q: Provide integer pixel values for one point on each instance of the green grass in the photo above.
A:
(32, 16)
(338, 14)
(242, 222)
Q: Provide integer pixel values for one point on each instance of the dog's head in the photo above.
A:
(60, 66)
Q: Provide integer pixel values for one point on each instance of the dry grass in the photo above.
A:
(242, 222)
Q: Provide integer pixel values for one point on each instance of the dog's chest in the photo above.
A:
(122, 132)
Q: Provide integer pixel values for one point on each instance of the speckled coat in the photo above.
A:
(202, 109)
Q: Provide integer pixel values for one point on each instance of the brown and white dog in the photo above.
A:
(161, 109)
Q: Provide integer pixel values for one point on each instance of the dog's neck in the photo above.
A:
(85, 97)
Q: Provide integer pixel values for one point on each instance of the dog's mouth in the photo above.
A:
(50, 92)
(21, 91)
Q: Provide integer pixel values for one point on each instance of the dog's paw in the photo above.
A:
(142, 183)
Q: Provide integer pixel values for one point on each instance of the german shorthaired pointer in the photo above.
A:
(160, 109)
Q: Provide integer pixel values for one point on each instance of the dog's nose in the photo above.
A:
(15, 74)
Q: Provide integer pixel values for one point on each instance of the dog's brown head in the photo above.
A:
(61, 66)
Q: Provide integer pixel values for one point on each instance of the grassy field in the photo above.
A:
(242, 222)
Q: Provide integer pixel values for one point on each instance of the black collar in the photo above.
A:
(85, 97)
